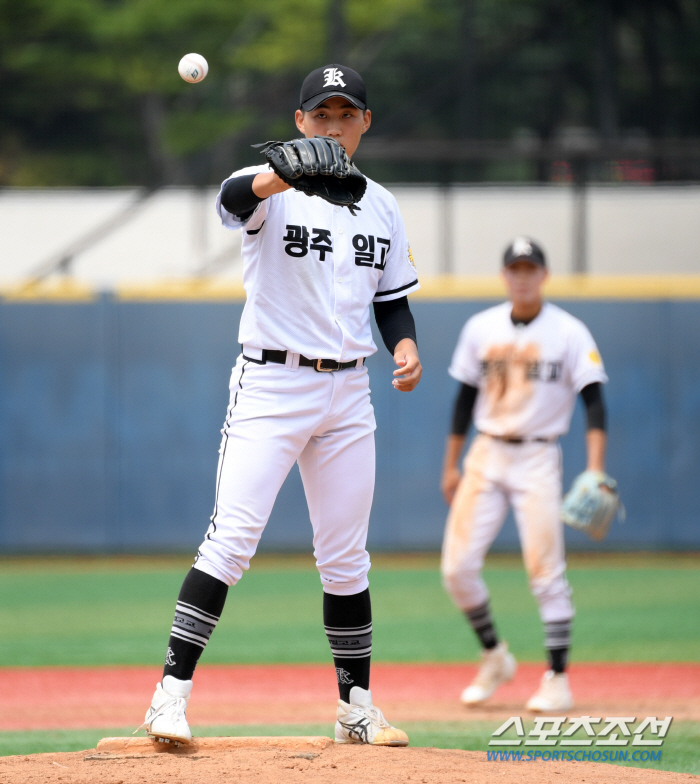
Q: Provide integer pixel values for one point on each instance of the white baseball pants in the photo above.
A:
(498, 474)
(279, 415)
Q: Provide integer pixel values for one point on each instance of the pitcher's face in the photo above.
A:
(338, 118)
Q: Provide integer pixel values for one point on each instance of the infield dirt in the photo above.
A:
(337, 763)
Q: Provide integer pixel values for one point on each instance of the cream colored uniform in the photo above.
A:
(528, 377)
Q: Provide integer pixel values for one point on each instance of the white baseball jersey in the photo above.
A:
(528, 376)
(311, 270)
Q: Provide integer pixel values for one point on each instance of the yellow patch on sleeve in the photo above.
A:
(410, 257)
(594, 356)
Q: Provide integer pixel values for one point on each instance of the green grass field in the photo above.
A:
(112, 611)
(119, 611)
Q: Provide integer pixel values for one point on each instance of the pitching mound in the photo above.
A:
(269, 765)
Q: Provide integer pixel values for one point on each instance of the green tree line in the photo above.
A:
(90, 94)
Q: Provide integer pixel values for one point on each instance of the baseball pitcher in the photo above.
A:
(321, 244)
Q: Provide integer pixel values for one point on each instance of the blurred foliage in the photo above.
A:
(90, 94)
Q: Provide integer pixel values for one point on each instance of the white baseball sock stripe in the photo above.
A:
(195, 612)
(557, 634)
(350, 630)
(178, 631)
(361, 653)
(189, 638)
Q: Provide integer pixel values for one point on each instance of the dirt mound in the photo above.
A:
(366, 764)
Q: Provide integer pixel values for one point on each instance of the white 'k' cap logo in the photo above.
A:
(333, 78)
(522, 247)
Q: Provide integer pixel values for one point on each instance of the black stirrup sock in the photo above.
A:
(557, 640)
(197, 612)
(480, 620)
(348, 623)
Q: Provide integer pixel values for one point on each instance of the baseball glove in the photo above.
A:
(317, 167)
(591, 504)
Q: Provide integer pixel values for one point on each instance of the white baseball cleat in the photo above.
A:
(166, 717)
(554, 694)
(361, 722)
(498, 665)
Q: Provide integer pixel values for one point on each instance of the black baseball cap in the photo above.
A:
(524, 249)
(330, 81)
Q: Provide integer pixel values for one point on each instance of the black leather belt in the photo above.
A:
(320, 365)
(518, 440)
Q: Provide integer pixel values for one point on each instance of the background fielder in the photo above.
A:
(300, 393)
(521, 365)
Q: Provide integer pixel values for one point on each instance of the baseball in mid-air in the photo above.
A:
(193, 67)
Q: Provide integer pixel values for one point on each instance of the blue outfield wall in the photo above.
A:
(110, 414)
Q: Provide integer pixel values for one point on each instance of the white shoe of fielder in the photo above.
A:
(361, 722)
(554, 694)
(166, 717)
(498, 665)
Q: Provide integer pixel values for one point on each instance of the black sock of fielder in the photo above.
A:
(480, 620)
(197, 612)
(557, 659)
(348, 622)
(557, 639)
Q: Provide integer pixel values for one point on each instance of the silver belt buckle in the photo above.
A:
(321, 369)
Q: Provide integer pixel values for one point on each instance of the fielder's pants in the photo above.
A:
(498, 474)
(279, 415)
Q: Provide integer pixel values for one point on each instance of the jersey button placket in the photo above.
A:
(342, 290)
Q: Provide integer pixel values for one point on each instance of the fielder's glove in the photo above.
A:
(317, 167)
(591, 504)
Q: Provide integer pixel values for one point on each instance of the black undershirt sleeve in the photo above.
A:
(237, 196)
(395, 322)
(464, 405)
(595, 406)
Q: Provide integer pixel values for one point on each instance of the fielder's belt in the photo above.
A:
(521, 439)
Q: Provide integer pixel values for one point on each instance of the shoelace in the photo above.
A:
(168, 707)
(377, 717)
